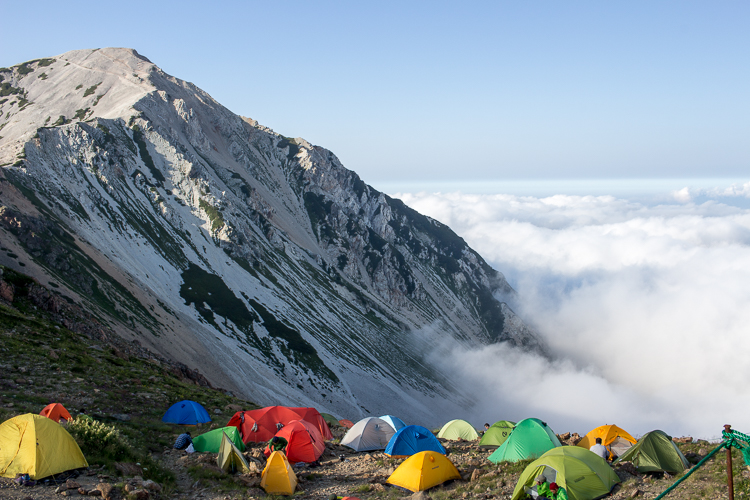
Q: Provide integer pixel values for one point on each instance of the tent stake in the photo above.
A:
(730, 477)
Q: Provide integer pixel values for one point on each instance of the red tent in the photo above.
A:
(346, 423)
(261, 425)
(305, 444)
(314, 417)
(55, 411)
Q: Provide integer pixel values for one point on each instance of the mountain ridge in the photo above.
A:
(195, 230)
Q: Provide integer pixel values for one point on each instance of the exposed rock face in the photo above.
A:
(256, 258)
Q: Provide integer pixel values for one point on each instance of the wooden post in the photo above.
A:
(730, 477)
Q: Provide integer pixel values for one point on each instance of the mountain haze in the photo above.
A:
(212, 240)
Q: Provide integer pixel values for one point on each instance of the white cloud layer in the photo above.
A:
(647, 307)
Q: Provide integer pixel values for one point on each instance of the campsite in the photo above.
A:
(117, 422)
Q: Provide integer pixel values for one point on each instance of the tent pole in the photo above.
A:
(730, 477)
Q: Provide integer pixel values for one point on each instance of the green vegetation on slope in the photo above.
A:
(121, 386)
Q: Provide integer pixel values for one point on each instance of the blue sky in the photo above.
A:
(407, 92)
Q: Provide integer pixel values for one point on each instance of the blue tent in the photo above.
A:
(413, 439)
(186, 413)
(394, 422)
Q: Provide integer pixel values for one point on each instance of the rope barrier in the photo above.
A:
(730, 439)
(693, 469)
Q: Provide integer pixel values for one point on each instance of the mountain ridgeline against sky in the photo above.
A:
(256, 258)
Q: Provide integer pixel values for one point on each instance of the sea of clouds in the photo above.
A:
(644, 306)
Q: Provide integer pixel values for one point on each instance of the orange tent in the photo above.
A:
(615, 439)
(346, 423)
(261, 425)
(56, 412)
(305, 444)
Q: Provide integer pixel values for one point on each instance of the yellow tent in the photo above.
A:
(278, 478)
(37, 446)
(230, 459)
(424, 470)
(615, 439)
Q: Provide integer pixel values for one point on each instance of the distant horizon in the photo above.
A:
(648, 190)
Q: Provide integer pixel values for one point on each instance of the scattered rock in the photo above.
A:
(129, 469)
(420, 495)
(684, 440)
(140, 495)
(72, 485)
(232, 408)
(217, 411)
(626, 468)
(105, 489)
(94, 493)
(121, 417)
(152, 486)
(476, 474)
(6, 291)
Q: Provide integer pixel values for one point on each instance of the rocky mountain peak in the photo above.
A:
(257, 258)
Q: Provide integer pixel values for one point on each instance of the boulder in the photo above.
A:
(152, 486)
(105, 489)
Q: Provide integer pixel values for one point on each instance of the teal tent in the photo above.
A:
(531, 438)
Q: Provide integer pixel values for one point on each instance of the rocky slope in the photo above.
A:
(214, 241)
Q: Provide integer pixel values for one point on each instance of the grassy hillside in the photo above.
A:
(121, 386)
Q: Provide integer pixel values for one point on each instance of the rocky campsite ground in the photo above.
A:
(52, 352)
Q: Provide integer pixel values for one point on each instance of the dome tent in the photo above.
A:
(395, 422)
(37, 446)
(655, 452)
(186, 413)
(424, 470)
(583, 474)
(211, 440)
(531, 438)
(230, 458)
(278, 478)
(260, 425)
(330, 420)
(458, 429)
(496, 434)
(304, 442)
(412, 439)
(368, 434)
(56, 412)
(615, 439)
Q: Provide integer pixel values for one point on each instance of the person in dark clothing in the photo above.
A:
(277, 444)
(183, 441)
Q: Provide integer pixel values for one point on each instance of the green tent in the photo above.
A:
(583, 474)
(458, 429)
(230, 458)
(656, 452)
(330, 420)
(529, 439)
(496, 434)
(211, 440)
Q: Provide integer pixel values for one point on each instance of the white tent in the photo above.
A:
(370, 433)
